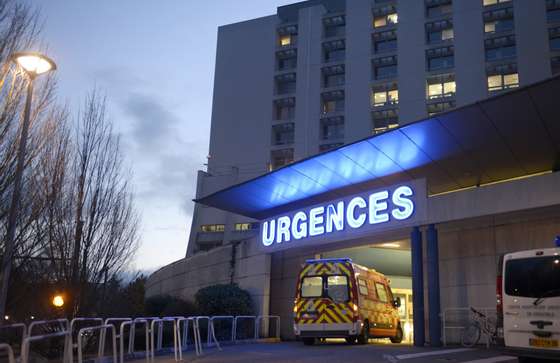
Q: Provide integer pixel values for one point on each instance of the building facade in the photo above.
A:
(322, 74)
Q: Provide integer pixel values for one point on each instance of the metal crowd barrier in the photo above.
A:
(28, 340)
(64, 324)
(236, 324)
(16, 326)
(160, 323)
(8, 349)
(223, 317)
(457, 319)
(72, 324)
(102, 329)
(132, 328)
(110, 321)
(261, 319)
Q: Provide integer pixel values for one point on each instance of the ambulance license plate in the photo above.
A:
(543, 343)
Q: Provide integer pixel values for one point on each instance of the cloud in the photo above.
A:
(153, 126)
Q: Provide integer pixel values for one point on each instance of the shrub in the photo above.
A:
(224, 299)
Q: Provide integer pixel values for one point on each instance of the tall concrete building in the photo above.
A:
(320, 74)
(455, 100)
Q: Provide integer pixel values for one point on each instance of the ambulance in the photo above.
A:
(528, 292)
(336, 298)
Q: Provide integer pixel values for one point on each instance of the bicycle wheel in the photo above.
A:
(470, 335)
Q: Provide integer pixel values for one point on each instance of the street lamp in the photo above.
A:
(34, 64)
(58, 301)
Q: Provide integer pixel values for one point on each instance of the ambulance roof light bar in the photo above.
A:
(323, 260)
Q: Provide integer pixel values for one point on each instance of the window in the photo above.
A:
(334, 51)
(438, 107)
(312, 286)
(245, 226)
(500, 48)
(362, 286)
(494, 2)
(285, 84)
(385, 120)
(333, 76)
(384, 41)
(212, 228)
(327, 147)
(337, 288)
(554, 38)
(281, 157)
(284, 109)
(285, 40)
(441, 86)
(286, 59)
(384, 16)
(440, 58)
(334, 26)
(332, 128)
(381, 292)
(287, 35)
(435, 8)
(555, 65)
(332, 102)
(553, 11)
(439, 31)
(283, 134)
(536, 277)
(383, 98)
(497, 21)
(385, 67)
(501, 82)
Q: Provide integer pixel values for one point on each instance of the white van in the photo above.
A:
(530, 301)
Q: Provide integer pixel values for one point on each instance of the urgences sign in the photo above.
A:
(364, 211)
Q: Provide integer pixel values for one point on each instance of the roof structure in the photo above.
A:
(511, 135)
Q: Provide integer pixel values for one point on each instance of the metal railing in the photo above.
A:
(457, 319)
(9, 350)
(236, 325)
(267, 318)
(17, 326)
(64, 325)
(252, 327)
(102, 331)
(29, 339)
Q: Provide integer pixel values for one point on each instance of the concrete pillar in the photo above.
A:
(417, 286)
(433, 286)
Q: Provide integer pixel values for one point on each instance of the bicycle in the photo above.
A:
(480, 324)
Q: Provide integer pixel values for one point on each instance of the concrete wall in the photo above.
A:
(185, 277)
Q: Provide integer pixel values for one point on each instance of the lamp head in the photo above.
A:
(34, 63)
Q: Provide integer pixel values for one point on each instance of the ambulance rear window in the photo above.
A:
(381, 293)
(337, 288)
(312, 286)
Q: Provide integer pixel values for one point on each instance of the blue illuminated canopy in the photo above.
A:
(506, 136)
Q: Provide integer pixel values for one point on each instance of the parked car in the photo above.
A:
(336, 298)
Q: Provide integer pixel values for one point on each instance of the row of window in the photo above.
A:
(236, 227)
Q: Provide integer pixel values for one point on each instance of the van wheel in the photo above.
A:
(363, 338)
(398, 337)
(308, 341)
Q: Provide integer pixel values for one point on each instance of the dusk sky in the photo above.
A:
(155, 62)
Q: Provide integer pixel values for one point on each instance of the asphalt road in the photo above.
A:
(296, 352)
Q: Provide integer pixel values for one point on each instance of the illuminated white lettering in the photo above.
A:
(268, 232)
(299, 227)
(283, 232)
(377, 203)
(357, 202)
(405, 206)
(316, 220)
(335, 217)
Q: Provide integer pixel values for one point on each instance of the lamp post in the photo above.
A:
(33, 64)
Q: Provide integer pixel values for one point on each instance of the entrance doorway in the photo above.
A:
(393, 259)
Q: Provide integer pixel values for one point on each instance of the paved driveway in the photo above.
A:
(295, 352)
